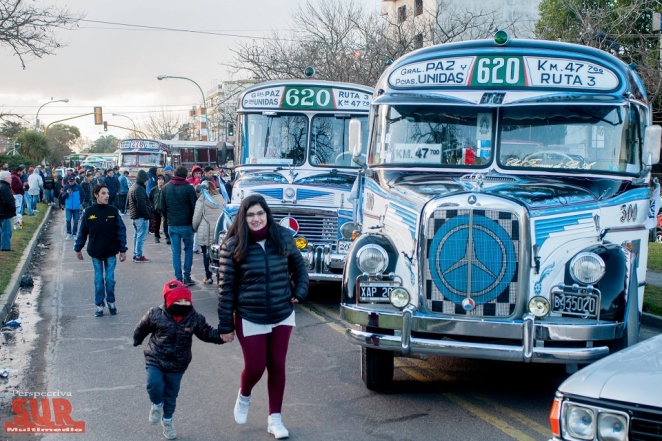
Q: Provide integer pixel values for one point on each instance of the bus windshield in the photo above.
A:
(276, 139)
(143, 159)
(592, 138)
(329, 144)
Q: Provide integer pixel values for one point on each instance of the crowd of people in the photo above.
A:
(261, 272)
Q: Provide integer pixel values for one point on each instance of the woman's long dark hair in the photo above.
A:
(239, 228)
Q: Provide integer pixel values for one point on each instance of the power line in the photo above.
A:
(190, 31)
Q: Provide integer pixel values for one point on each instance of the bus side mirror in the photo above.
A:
(355, 143)
(652, 140)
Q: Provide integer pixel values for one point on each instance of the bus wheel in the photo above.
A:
(376, 368)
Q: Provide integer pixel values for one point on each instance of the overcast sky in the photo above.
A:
(115, 66)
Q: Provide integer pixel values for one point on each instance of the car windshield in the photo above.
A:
(581, 138)
(329, 144)
(275, 139)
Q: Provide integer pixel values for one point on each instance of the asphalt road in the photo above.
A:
(93, 363)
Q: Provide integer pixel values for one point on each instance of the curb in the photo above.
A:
(654, 321)
(7, 298)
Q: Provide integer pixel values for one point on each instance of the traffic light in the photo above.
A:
(230, 129)
(98, 116)
(105, 126)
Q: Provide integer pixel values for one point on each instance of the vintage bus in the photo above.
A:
(292, 148)
(102, 161)
(504, 208)
(190, 153)
(73, 161)
(142, 154)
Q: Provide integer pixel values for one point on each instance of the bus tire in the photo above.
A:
(376, 368)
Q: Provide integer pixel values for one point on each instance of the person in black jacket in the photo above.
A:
(262, 275)
(7, 210)
(140, 210)
(168, 352)
(178, 200)
(107, 237)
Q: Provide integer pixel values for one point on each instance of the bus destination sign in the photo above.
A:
(307, 98)
(506, 71)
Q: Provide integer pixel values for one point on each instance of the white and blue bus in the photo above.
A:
(505, 207)
(292, 148)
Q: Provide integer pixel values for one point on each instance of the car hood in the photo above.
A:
(633, 375)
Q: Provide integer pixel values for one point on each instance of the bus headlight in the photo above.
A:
(587, 268)
(580, 422)
(348, 229)
(399, 297)
(372, 259)
(539, 306)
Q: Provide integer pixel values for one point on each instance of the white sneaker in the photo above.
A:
(241, 408)
(155, 414)
(275, 426)
(69, 237)
(169, 429)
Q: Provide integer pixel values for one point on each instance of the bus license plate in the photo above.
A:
(376, 292)
(343, 246)
(585, 305)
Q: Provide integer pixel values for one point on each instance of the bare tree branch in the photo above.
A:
(30, 30)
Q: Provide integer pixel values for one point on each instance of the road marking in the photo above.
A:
(491, 419)
(336, 327)
(517, 416)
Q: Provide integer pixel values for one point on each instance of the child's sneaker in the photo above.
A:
(99, 311)
(155, 413)
(169, 429)
(112, 309)
(241, 408)
(275, 426)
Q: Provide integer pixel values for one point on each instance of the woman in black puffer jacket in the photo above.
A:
(262, 274)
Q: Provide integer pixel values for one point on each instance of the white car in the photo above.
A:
(617, 398)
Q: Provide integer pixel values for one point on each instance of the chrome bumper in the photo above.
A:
(528, 330)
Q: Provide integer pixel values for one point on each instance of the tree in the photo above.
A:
(622, 27)
(61, 138)
(163, 125)
(29, 29)
(345, 42)
(105, 144)
(33, 145)
(11, 129)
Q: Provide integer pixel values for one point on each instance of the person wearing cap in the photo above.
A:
(72, 195)
(7, 210)
(168, 354)
(169, 173)
(103, 224)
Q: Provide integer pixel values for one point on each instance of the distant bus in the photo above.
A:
(190, 153)
(142, 154)
(73, 161)
(101, 161)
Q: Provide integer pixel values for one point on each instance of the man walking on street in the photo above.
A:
(141, 212)
(104, 226)
(7, 210)
(124, 191)
(72, 194)
(177, 205)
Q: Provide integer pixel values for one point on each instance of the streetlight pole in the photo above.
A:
(130, 119)
(36, 121)
(204, 101)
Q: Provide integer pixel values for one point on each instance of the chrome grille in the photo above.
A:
(320, 227)
(471, 262)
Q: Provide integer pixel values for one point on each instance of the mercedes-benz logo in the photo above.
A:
(481, 263)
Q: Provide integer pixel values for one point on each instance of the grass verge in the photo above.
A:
(19, 241)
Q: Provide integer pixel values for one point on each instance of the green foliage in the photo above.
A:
(33, 145)
(653, 300)
(60, 139)
(105, 144)
(14, 160)
(11, 129)
(655, 257)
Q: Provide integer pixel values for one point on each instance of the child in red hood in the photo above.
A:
(196, 175)
(168, 352)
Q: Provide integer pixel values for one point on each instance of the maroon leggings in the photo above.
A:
(265, 351)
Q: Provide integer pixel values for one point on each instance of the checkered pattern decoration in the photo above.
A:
(472, 262)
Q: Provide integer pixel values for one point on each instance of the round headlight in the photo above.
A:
(300, 242)
(347, 229)
(399, 297)
(539, 306)
(587, 268)
(372, 259)
(580, 422)
(612, 427)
